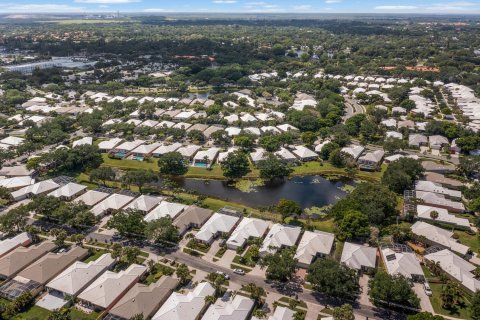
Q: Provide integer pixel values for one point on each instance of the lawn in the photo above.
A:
(199, 246)
(76, 314)
(159, 271)
(96, 255)
(130, 164)
(325, 168)
(34, 313)
(472, 241)
(462, 311)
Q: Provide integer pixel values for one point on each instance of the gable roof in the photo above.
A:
(7, 245)
(144, 203)
(73, 279)
(192, 215)
(357, 256)
(21, 257)
(142, 299)
(217, 223)
(165, 209)
(113, 202)
(236, 309)
(68, 190)
(404, 263)
(110, 285)
(283, 313)
(423, 212)
(312, 243)
(91, 197)
(438, 235)
(280, 236)
(247, 228)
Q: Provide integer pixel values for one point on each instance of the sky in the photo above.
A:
(243, 6)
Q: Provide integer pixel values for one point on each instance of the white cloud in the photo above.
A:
(332, 1)
(39, 8)
(302, 7)
(107, 1)
(224, 1)
(154, 10)
(395, 8)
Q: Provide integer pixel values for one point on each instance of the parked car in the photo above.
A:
(226, 276)
(239, 271)
(427, 289)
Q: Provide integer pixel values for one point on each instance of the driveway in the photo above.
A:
(425, 303)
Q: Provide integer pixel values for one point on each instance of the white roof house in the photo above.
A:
(437, 141)
(246, 229)
(303, 153)
(76, 277)
(358, 257)
(354, 151)
(209, 155)
(7, 245)
(128, 146)
(91, 197)
(68, 191)
(439, 200)
(144, 203)
(165, 209)
(417, 140)
(404, 263)
(217, 223)
(237, 308)
(423, 212)
(283, 313)
(394, 135)
(285, 154)
(258, 155)
(185, 306)
(12, 141)
(280, 236)
(456, 267)
(109, 144)
(38, 188)
(223, 155)
(438, 235)
(113, 202)
(189, 151)
(145, 149)
(83, 141)
(161, 150)
(105, 290)
(429, 186)
(16, 182)
(287, 127)
(312, 244)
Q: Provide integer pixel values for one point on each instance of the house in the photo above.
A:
(417, 140)
(359, 257)
(218, 223)
(437, 142)
(429, 186)
(354, 151)
(36, 275)
(436, 235)
(371, 160)
(394, 135)
(16, 171)
(205, 158)
(91, 197)
(258, 155)
(185, 306)
(285, 155)
(113, 202)
(124, 149)
(192, 217)
(106, 291)
(143, 299)
(12, 141)
(165, 209)
(144, 150)
(189, 151)
(68, 191)
(440, 201)
(246, 229)
(23, 239)
(283, 313)
(107, 145)
(304, 154)
(36, 189)
(457, 268)
(287, 127)
(17, 183)
(280, 236)
(399, 259)
(21, 257)
(313, 244)
(144, 203)
(425, 213)
(81, 142)
(73, 280)
(214, 128)
(163, 149)
(223, 155)
(237, 308)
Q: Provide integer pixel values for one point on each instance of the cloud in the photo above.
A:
(39, 8)
(224, 1)
(107, 1)
(302, 7)
(332, 1)
(154, 10)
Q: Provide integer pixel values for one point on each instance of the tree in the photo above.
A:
(139, 178)
(354, 224)
(130, 254)
(60, 236)
(129, 223)
(256, 292)
(162, 230)
(327, 149)
(172, 163)
(117, 250)
(287, 208)
(196, 135)
(344, 312)
(309, 138)
(450, 295)
(434, 214)
(15, 219)
(210, 299)
(333, 278)
(138, 316)
(475, 306)
(183, 273)
(280, 265)
(45, 205)
(392, 145)
(272, 168)
(236, 165)
(402, 173)
(221, 138)
(103, 174)
(425, 316)
(244, 141)
(59, 315)
(386, 289)
(337, 158)
(469, 166)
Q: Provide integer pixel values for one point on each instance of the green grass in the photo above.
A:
(34, 313)
(96, 255)
(221, 252)
(130, 164)
(159, 271)
(76, 314)
(287, 300)
(472, 241)
(199, 246)
(461, 311)
(338, 250)
(325, 168)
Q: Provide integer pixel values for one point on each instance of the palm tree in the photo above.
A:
(451, 294)
(210, 299)
(434, 214)
(256, 292)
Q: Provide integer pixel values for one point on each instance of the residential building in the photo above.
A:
(205, 158)
(237, 308)
(359, 257)
(246, 229)
(417, 140)
(218, 223)
(354, 151)
(91, 197)
(371, 160)
(280, 236)
(113, 202)
(314, 244)
(165, 209)
(399, 259)
(68, 191)
(7, 245)
(144, 203)
(438, 236)
(304, 154)
(425, 213)
(192, 217)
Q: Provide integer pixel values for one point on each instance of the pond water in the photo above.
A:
(308, 191)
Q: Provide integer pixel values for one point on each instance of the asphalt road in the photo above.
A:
(352, 108)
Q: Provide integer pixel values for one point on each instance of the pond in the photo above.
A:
(308, 191)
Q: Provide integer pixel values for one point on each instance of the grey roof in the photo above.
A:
(22, 257)
(192, 215)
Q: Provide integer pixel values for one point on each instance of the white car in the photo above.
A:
(427, 289)
(239, 271)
